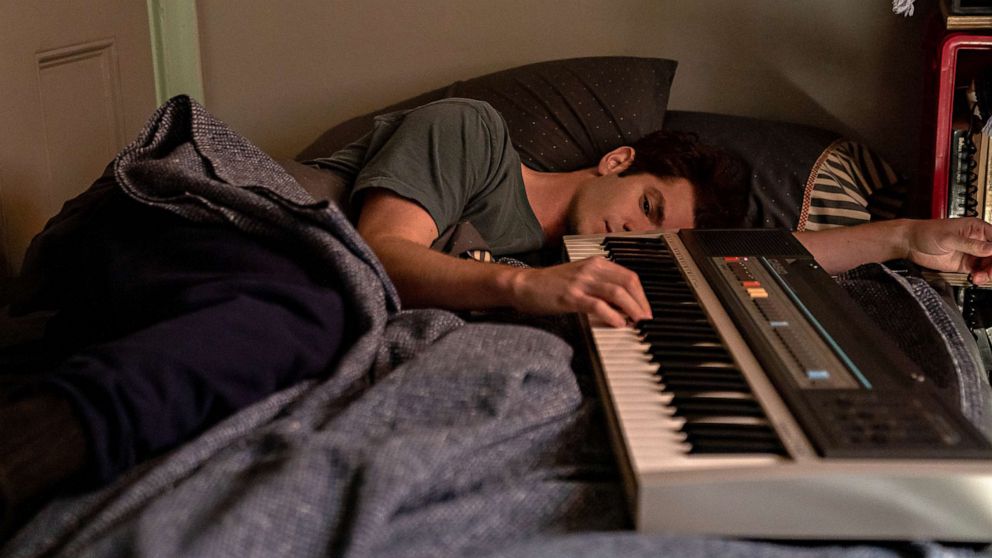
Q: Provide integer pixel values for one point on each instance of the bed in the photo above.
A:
(437, 435)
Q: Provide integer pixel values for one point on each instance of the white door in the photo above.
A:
(76, 85)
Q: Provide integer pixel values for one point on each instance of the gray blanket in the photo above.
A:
(432, 437)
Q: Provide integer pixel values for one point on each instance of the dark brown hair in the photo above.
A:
(721, 194)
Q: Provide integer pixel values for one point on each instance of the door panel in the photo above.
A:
(76, 84)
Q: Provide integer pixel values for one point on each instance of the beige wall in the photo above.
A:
(281, 72)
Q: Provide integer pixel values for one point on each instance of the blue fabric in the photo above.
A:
(930, 331)
(176, 325)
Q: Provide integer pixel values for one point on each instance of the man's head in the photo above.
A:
(664, 180)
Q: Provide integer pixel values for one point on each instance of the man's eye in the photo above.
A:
(646, 206)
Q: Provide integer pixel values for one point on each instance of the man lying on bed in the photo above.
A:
(422, 172)
(252, 320)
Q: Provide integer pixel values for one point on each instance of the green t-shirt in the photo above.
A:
(455, 159)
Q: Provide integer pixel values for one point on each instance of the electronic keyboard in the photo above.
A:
(760, 401)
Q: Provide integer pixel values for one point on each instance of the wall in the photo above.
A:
(282, 72)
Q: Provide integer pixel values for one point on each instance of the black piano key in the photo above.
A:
(636, 254)
(675, 302)
(700, 362)
(663, 324)
(667, 279)
(714, 368)
(678, 386)
(734, 446)
(663, 292)
(689, 360)
(674, 299)
(670, 296)
(701, 407)
(639, 254)
(659, 267)
(731, 447)
(729, 430)
(692, 331)
(708, 445)
(667, 287)
(710, 374)
(652, 276)
(691, 354)
(715, 437)
(676, 311)
(731, 377)
(661, 260)
(673, 342)
(676, 335)
(670, 324)
(714, 429)
(689, 387)
(645, 241)
(619, 242)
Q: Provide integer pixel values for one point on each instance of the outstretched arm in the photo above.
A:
(400, 232)
(962, 245)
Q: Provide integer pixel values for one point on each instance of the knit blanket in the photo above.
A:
(431, 437)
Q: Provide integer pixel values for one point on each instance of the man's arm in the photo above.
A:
(400, 232)
(963, 245)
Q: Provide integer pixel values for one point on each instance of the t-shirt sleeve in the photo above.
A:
(439, 155)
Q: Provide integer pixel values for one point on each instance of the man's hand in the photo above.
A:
(594, 286)
(962, 245)
(400, 232)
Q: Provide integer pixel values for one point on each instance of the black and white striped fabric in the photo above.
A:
(850, 185)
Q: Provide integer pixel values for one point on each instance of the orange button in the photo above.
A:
(731, 259)
(751, 284)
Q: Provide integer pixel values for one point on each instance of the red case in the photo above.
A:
(951, 46)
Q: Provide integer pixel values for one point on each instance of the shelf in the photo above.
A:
(955, 22)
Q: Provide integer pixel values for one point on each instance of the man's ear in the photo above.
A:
(616, 161)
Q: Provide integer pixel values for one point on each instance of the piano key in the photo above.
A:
(664, 324)
(690, 350)
(693, 407)
(678, 385)
(729, 431)
(712, 374)
(686, 362)
(634, 242)
(735, 446)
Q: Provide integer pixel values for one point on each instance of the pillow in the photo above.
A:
(562, 114)
(340, 135)
(799, 177)
(565, 114)
(775, 158)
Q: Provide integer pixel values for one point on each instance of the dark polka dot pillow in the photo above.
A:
(565, 114)
(562, 114)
